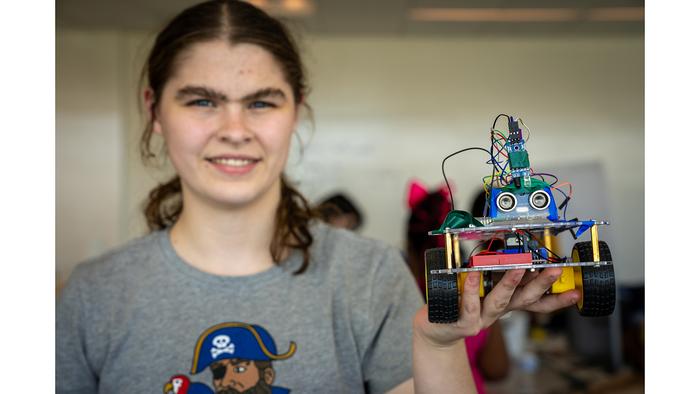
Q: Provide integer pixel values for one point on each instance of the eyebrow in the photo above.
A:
(264, 93)
(202, 91)
(209, 93)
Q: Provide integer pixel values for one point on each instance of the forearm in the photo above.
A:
(441, 369)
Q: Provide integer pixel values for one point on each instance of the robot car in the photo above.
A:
(516, 230)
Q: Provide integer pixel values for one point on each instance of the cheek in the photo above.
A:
(252, 375)
(183, 138)
(277, 138)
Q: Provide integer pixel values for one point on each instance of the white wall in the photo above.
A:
(89, 147)
(390, 109)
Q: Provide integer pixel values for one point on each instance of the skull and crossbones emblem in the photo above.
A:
(221, 344)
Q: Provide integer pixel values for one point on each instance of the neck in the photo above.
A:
(229, 241)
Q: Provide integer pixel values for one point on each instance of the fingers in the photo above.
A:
(531, 293)
(497, 301)
(471, 304)
(517, 289)
(528, 277)
(553, 302)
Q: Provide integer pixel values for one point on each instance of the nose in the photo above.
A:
(233, 129)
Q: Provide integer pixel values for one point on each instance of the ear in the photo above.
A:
(416, 193)
(149, 102)
(269, 375)
(298, 106)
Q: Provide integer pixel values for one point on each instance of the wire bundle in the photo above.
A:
(501, 172)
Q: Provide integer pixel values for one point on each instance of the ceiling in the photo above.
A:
(385, 17)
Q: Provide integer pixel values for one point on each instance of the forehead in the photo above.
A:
(220, 64)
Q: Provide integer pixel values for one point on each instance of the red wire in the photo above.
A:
(487, 251)
(491, 243)
(502, 151)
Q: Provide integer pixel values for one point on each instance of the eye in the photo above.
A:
(261, 105)
(240, 369)
(201, 103)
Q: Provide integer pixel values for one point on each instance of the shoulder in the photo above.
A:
(100, 287)
(124, 261)
(343, 246)
(347, 255)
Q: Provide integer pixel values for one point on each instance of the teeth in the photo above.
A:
(233, 162)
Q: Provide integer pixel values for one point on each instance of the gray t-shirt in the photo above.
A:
(133, 319)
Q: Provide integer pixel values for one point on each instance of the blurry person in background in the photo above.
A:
(427, 211)
(339, 210)
(486, 350)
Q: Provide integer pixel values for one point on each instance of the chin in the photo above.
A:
(242, 196)
(236, 200)
(232, 195)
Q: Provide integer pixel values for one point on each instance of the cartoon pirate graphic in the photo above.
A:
(239, 356)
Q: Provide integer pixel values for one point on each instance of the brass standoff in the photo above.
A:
(548, 240)
(594, 242)
(455, 250)
(448, 248)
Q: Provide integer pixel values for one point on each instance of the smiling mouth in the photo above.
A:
(232, 162)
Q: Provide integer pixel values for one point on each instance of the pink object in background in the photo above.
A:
(474, 346)
(416, 193)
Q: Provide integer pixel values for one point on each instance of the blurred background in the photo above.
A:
(397, 85)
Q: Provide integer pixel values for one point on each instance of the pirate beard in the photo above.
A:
(260, 388)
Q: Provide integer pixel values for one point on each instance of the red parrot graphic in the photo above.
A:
(181, 384)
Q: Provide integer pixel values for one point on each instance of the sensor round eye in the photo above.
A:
(539, 200)
(506, 202)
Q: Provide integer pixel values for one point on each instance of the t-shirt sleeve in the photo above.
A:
(394, 301)
(73, 373)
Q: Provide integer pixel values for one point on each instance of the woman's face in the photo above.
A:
(227, 115)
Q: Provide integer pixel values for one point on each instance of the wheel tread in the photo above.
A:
(443, 292)
(599, 294)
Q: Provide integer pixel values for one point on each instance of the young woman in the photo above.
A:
(238, 288)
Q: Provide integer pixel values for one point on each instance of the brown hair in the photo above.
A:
(236, 22)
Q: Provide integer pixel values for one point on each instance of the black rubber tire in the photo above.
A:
(442, 290)
(598, 282)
